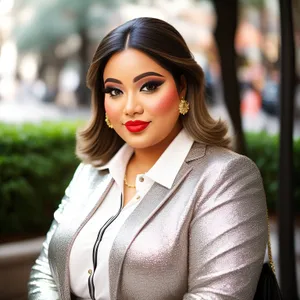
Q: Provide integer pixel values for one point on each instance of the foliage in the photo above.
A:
(36, 164)
(54, 21)
(255, 3)
(38, 161)
(263, 149)
(259, 4)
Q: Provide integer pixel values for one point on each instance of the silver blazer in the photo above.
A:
(205, 238)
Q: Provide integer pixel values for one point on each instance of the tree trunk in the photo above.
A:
(227, 14)
(288, 279)
(50, 61)
(83, 93)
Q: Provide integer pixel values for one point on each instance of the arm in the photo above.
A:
(41, 285)
(228, 235)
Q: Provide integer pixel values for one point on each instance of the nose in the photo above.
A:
(132, 106)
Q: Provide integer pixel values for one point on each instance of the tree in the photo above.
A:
(286, 206)
(225, 31)
(54, 21)
(227, 15)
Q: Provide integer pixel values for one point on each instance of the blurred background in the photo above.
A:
(45, 51)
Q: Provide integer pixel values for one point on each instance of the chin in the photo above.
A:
(144, 139)
(138, 140)
(142, 144)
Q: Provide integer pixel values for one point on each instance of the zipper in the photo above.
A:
(101, 232)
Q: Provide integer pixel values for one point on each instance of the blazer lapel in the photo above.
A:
(70, 227)
(197, 151)
(152, 201)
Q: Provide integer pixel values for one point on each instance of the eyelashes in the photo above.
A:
(113, 92)
(149, 87)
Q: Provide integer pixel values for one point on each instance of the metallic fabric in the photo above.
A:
(205, 238)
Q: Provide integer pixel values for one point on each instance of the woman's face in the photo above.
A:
(141, 99)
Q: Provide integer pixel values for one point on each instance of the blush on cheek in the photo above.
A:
(166, 102)
(111, 111)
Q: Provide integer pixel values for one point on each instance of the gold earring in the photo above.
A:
(108, 122)
(183, 106)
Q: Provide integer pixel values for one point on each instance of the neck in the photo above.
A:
(147, 157)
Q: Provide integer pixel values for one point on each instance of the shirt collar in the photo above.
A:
(167, 166)
(163, 171)
(117, 164)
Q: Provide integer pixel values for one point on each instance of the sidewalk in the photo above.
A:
(33, 111)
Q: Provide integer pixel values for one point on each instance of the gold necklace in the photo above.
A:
(127, 184)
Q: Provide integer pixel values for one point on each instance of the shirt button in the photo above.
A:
(138, 197)
(141, 179)
(90, 271)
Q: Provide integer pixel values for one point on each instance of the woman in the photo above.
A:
(159, 208)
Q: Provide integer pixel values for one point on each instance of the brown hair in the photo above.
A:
(97, 143)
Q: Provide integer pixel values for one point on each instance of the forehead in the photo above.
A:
(131, 62)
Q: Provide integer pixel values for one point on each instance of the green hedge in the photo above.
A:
(38, 161)
(263, 149)
(36, 165)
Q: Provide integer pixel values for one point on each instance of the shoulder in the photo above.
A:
(226, 156)
(226, 177)
(221, 171)
(223, 160)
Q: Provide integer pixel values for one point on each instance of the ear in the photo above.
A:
(183, 87)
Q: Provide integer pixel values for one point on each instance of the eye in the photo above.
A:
(113, 92)
(151, 86)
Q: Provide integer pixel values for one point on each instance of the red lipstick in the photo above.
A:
(136, 126)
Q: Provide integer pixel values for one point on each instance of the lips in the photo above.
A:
(136, 126)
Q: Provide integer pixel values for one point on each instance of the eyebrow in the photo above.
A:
(135, 79)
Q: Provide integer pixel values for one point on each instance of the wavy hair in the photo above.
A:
(96, 143)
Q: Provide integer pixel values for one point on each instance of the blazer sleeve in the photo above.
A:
(228, 234)
(41, 285)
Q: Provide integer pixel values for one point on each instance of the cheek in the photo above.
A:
(165, 103)
(111, 110)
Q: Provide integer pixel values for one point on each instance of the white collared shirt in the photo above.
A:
(163, 172)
